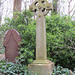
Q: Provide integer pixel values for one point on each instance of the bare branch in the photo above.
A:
(71, 41)
(71, 47)
(73, 14)
(70, 1)
(72, 9)
(3, 2)
(63, 51)
(69, 7)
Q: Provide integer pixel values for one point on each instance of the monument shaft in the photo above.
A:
(41, 65)
(41, 39)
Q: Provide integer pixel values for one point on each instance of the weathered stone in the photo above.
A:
(11, 40)
(41, 65)
(41, 69)
(41, 7)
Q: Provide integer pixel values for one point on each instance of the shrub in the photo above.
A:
(12, 68)
(60, 40)
(60, 33)
(9, 68)
(59, 70)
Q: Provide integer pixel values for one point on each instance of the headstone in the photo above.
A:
(41, 65)
(11, 40)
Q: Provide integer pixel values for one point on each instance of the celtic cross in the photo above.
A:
(41, 7)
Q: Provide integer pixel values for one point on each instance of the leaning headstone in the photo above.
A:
(11, 40)
(41, 66)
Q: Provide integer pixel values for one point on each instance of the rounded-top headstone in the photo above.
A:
(11, 40)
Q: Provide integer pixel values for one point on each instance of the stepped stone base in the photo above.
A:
(41, 68)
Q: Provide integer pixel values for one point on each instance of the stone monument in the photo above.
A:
(41, 66)
(11, 40)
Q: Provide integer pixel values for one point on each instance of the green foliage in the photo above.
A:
(9, 68)
(27, 31)
(60, 38)
(1, 42)
(74, 71)
(59, 70)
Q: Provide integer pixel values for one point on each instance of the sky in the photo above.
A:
(7, 7)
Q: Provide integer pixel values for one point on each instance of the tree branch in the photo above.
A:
(71, 41)
(70, 1)
(73, 14)
(72, 9)
(2, 2)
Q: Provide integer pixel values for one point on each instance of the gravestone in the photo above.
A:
(11, 40)
(41, 66)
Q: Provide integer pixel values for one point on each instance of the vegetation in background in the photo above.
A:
(9, 68)
(60, 32)
(60, 40)
(59, 70)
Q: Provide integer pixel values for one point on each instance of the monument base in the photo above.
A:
(41, 68)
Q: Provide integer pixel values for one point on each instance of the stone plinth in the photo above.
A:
(41, 68)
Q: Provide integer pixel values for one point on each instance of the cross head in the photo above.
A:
(41, 7)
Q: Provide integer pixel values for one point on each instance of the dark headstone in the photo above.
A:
(11, 40)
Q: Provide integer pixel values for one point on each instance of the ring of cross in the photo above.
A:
(41, 7)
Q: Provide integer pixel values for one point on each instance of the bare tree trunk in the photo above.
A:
(0, 20)
(0, 14)
(69, 7)
(55, 6)
(16, 7)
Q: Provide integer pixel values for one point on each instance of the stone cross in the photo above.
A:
(41, 66)
(41, 7)
(11, 40)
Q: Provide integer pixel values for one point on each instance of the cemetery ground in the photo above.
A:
(60, 42)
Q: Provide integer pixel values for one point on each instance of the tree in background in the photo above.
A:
(64, 7)
(16, 7)
(55, 6)
(60, 38)
(0, 14)
(70, 10)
